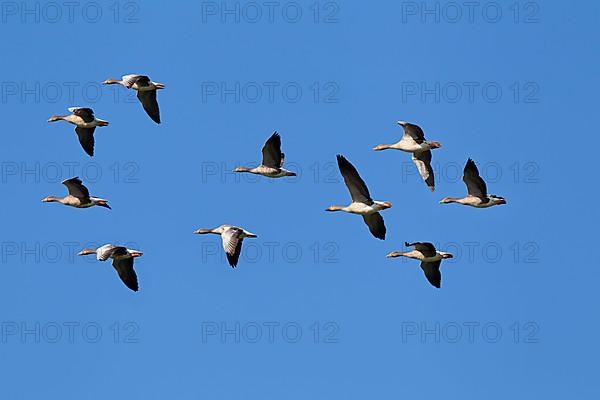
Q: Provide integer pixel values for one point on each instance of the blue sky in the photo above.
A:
(336, 319)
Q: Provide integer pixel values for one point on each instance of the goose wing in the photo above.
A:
(150, 104)
(271, 152)
(85, 113)
(86, 139)
(108, 250)
(432, 272)
(357, 187)
(130, 80)
(475, 184)
(76, 188)
(232, 244)
(425, 248)
(376, 225)
(413, 132)
(422, 160)
(124, 267)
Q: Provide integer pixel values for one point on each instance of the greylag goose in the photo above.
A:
(430, 260)
(362, 203)
(85, 124)
(232, 238)
(413, 141)
(272, 160)
(78, 197)
(146, 92)
(477, 190)
(122, 262)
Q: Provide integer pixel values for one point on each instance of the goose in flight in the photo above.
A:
(430, 260)
(477, 190)
(272, 160)
(85, 124)
(362, 203)
(78, 197)
(122, 262)
(413, 141)
(232, 238)
(146, 92)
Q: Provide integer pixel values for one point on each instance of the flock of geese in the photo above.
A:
(272, 166)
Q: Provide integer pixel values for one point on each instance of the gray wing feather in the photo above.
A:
(357, 187)
(271, 152)
(376, 225)
(475, 184)
(86, 139)
(232, 244)
(124, 267)
(422, 160)
(426, 248)
(76, 188)
(415, 132)
(432, 272)
(150, 104)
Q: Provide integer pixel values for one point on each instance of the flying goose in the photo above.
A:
(78, 197)
(122, 262)
(146, 92)
(430, 260)
(477, 190)
(362, 203)
(413, 141)
(232, 238)
(272, 160)
(85, 125)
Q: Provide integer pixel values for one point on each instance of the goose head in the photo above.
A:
(56, 118)
(447, 200)
(218, 230)
(49, 199)
(86, 252)
(203, 231)
(111, 82)
(380, 147)
(445, 255)
(395, 254)
(435, 145)
(242, 169)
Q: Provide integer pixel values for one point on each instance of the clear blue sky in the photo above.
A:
(369, 66)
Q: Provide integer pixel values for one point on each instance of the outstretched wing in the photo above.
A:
(432, 272)
(271, 152)
(86, 139)
(85, 113)
(422, 160)
(232, 244)
(76, 188)
(357, 187)
(475, 184)
(413, 131)
(376, 225)
(124, 267)
(425, 248)
(150, 104)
